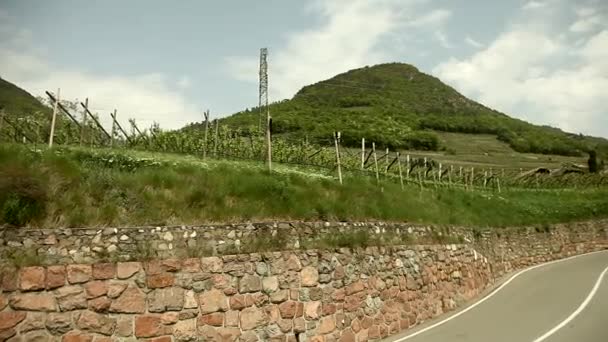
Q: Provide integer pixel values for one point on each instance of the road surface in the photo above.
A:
(564, 301)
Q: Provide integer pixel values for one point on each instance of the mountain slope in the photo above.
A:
(18, 102)
(397, 106)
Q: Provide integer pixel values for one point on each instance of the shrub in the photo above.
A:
(23, 197)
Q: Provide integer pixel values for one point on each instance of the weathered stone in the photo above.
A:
(285, 325)
(32, 278)
(213, 301)
(191, 265)
(279, 296)
(252, 318)
(250, 283)
(124, 326)
(288, 309)
(101, 324)
(185, 330)
(100, 304)
(96, 289)
(299, 325)
(77, 336)
(348, 336)
(169, 317)
(293, 263)
(9, 280)
(168, 299)
(190, 300)
(328, 325)
(3, 301)
(78, 274)
(104, 271)
(186, 314)
(9, 319)
(312, 310)
(6, 334)
(125, 270)
(150, 326)
(38, 336)
(160, 280)
(270, 284)
(71, 298)
(171, 265)
(215, 319)
(355, 287)
(132, 300)
(116, 289)
(33, 302)
(34, 321)
(59, 323)
(55, 277)
(309, 276)
(232, 318)
(212, 264)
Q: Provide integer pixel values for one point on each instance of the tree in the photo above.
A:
(592, 162)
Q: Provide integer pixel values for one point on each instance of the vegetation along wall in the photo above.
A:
(305, 294)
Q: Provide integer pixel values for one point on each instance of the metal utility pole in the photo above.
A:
(54, 119)
(263, 92)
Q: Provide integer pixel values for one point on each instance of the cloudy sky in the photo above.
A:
(545, 61)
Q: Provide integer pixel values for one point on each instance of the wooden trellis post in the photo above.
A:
(400, 172)
(205, 143)
(215, 140)
(375, 162)
(407, 165)
(362, 153)
(337, 143)
(84, 121)
(113, 128)
(54, 119)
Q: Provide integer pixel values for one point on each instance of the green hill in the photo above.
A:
(397, 106)
(18, 102)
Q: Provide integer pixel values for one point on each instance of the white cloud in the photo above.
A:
(473, 42)
(519, 73)
(434, 18)
(347, 39)
(443, 39)
(533, 5)
(585, 11)
(587, 24)
(146, 97)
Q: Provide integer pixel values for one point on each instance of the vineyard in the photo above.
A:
(219, 142)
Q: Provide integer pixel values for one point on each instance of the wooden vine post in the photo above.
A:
(362, 153)
(215, 140)
(205, 142)
(113, 128)
(84, 121)
(400, 171)
(407, 165)
(54, 119)
(376, 162)
(337, 144)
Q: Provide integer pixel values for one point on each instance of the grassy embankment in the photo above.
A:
(80, 187)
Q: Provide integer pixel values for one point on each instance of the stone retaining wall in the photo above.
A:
(299, 295)
(85, 245)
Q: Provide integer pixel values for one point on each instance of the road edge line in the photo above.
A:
(491, 294)
(577, 311)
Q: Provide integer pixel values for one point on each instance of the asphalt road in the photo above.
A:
(564, 301)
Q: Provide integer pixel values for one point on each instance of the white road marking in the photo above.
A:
(578, 311)
(405, 338)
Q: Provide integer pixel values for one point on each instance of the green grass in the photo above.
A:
(79, 187)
